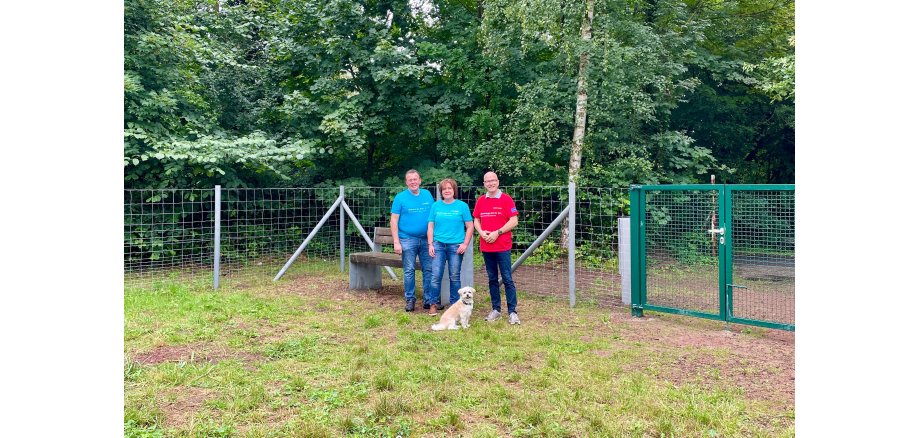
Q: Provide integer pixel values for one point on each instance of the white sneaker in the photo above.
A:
(513, 318)
(493, 315)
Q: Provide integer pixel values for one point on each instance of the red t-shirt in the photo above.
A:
(493, 213)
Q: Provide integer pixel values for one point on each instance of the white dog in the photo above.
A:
(459, 311)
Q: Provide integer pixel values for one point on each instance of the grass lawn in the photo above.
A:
(306, 357)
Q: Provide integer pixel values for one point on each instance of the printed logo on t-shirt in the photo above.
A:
(513, 209)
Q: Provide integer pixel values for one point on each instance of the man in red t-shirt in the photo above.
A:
(494, 216)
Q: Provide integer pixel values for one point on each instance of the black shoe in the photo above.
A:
(440, 306)
(426, 306)
(410, 305)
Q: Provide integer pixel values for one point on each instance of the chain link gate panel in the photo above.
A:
(761, 255)
(724, 252)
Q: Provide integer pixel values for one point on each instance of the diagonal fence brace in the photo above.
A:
(367, 238)
(536, 243)
(303, 245)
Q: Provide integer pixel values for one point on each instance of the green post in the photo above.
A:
(725, 253)
(636, 224)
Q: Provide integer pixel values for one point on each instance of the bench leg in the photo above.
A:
(364, 276)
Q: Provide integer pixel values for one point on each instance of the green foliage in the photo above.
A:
(213, 429)
(182, 64)
(677, 224)
(763, 224)
(431, 175)
(776, 75)
(292, 349)
(745, 126)
(693, 248)
(547, 252)
(135, 430)
(293, 93)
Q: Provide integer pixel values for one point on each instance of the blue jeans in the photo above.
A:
(500, 262)
(411, 248)
(445, 252)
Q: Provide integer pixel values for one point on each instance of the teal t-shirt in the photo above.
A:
(413, 213)
(450, 221)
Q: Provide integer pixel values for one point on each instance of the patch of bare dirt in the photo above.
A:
(390, 296)
(182, 403)
(276, 417)
(194, 353)
(761, 362)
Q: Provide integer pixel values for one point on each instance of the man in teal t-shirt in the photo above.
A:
(409, 225)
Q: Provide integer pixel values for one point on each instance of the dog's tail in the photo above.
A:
(439, 326)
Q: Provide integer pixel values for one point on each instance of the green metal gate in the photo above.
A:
(724, 252)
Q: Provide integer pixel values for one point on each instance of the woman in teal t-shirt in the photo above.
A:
(450, 229)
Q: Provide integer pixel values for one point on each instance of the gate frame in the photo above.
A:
(729, 261)
(637, 198)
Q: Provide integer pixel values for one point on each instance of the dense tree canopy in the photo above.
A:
(283, 92)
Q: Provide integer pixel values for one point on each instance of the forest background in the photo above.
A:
(274, 93)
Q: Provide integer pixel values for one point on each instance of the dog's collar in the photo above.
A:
(463, 300)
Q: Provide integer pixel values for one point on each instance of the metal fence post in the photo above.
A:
(216, 236)
(623, 253)
(571, 244)
(342, 230)
(636, 225)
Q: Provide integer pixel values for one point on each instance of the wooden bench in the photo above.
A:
(364, 267)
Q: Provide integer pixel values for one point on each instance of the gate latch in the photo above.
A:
(721, 232)
(737, 286)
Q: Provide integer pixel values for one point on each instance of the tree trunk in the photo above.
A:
(581, 108)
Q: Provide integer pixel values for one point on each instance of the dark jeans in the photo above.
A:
(412, 248)
(445, 253)
(500, 262)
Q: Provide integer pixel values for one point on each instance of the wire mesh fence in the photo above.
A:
(597, 275)
(718, 251)
(682, 257)
(261, 228)
(763, 255)
(169, 233)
